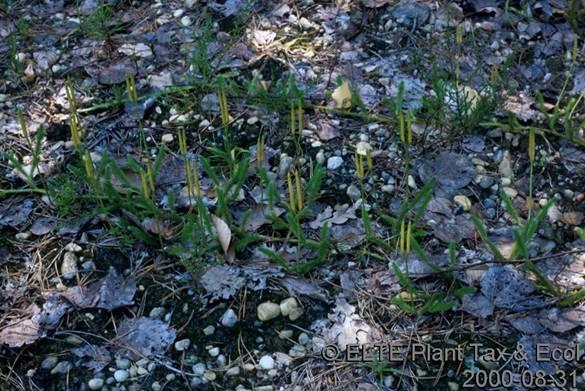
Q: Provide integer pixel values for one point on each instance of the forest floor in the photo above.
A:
(304, 195)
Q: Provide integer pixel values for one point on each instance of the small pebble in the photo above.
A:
(62, 368)
(210, 375)
(287, 305)
(182, 345)
(209, 330)
(334, 162)
(285, 334)
(485, 181)
(121, 375)
(122, 363)
(69, 266)
(266, 362)
(267, 311)
(297, 351)
(199, 369)
(411, 182)
(353, 192)
(463, 201)
(157, 312)
(95, 383)
(186, 21)
(229, 318)
(49, 362)
(388, 188)
(73, 247)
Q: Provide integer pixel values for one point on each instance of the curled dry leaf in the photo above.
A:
(224, 234)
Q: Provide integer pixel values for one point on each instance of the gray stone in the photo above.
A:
(122, 363)
(266, 362)
(505, 166)
(62, 368)
(486, 181)
(45, 59)
(95, 383)
(182, 345)
(283, 359)
(157, 312)
(285, 165)
(267, 311)
(186, 21)
(121, 375)
(334, 162)
(49, 362)
(229, 318)
(69, 266)
(199, 369)
(297, 351)
(209, 330)
(353, 192)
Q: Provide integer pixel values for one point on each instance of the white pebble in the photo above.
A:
(95, 384)
(121, 375)
(229, 318)
(182, 345)
(123, 363)
(209, 330)
(266, 362)
(186, 21)
(267, 311)
(334, 162)
(199, 369)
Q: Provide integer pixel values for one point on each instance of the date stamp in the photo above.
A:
(526, 379)
(509, 367)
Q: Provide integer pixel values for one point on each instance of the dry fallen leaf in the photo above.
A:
(224, 234)
(24, 330)
(158, 227)
(144, 337)
(572, 218)
(342, 96)
(110, 292)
